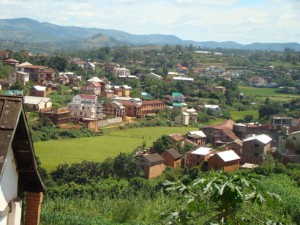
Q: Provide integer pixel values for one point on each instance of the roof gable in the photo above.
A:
(153, 159)
(228, 155)
(174, 153)
(265, 139)
(14, 133)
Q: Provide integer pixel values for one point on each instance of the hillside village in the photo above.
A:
(197, 89)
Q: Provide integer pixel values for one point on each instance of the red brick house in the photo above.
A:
(37, 74)
(255, 148)
(197, 137)
(57, 116)
(107, 93)
(177, 139)
(149, 107)
(114, 108)
(172, 158)
(220, 134)
(153, 165)
(94, 88)
(228, 161)
(198, 156)
(236, 146)
(19, 176)
(132, 109)
(38, 91)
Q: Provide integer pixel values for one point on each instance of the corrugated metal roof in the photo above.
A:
(94, 79)
(228, 155)
(202, 151)
(263, 138)
(196, 134)
(39, 88)
(32, 100)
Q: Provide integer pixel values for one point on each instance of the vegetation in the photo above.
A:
(186, 196)
(52, 153)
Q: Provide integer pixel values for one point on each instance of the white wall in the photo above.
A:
(9, 190)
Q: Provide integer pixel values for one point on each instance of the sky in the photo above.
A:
(243, 21)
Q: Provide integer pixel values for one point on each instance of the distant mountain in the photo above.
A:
(24, 32)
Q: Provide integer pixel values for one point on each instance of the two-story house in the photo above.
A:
(114, 108)
(37, 74)
(149, 107)
(83, 106)
(38, 91)
(227, 160)
(255, 148)
(198, 157)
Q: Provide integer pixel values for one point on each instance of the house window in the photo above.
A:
(256, 145)
(256, 154)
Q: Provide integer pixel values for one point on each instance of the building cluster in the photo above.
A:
(228, 147)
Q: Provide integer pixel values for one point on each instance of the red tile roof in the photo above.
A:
(85, 96)
(96, 84)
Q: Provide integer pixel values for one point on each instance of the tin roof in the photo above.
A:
(202, 151)
(94, 79)
(35, 100)
(39, 88)
(15, 135)
(196, 134)
(265, 139)
(228, 155)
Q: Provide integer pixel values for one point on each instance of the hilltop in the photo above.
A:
(25, 33)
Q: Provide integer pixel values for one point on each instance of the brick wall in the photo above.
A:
(33, 207)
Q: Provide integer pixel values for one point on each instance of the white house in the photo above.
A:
(84, 106)
(18, 168)
(33, 103)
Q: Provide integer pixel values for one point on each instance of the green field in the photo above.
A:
(236, 115)
(52, 153)
(266, 92)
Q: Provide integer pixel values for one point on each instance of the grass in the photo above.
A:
(52, 153)
(266, 92)
(236, 115)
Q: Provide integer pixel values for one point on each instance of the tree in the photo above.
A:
(219, 197)
(269, 109)
(162, 144)
(124, 166)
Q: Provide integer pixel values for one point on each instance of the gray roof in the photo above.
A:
(154, 158)
(174, 153)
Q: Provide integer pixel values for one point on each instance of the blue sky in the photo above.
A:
(243, 21)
